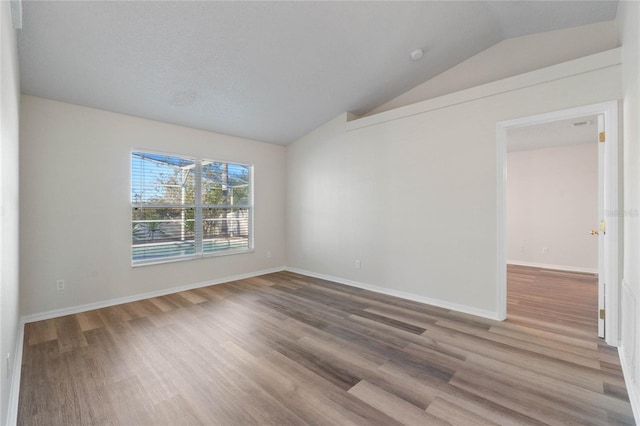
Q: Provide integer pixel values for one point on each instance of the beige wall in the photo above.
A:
(415, 198)
(552, 203)
(9, 287)
(75, 205)
(513, 57)
(628, 21)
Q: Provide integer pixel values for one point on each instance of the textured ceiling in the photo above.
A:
(270, 71)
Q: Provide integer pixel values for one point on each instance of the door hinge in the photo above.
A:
(603, 226)
(601, 314)
(601, 137)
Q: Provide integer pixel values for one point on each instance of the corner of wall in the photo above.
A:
(14, 393)
(10, 336)
(627, 19)
(332, 127)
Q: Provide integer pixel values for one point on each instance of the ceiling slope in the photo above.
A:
(270, 71)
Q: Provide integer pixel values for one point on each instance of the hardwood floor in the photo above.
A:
(288, 349)
(559, 301)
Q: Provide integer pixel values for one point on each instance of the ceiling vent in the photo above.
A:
(582, 123)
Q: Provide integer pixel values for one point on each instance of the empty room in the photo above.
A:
(332, 213)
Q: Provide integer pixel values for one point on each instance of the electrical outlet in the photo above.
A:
(358, 264)
(268, 254)
(522, 248)
(545, 250)
(59, 285)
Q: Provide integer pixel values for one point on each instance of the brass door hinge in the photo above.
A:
(601, 314)
(601, 137)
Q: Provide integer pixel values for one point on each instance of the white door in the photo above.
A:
(600, 229)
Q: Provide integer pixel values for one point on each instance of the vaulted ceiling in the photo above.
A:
(270, 71)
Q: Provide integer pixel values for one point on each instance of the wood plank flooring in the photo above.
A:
(559, 301)
(285, 349)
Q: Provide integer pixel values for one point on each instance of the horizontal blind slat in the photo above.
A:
(164, 207)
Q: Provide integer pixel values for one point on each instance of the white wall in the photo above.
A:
(9, 288)
(415, 198)
(512, 57)
(628, 21)
(75, 204)
(552, 203)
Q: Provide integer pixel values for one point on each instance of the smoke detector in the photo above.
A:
(416, 54)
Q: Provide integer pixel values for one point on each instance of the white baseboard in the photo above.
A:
(120, 300)
(14, 391)
(401, 294)
(12, 415)
(554, 267)
(632, 387)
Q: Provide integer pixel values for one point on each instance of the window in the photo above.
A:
(183, 207)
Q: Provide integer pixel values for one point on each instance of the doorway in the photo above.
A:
(604, 118)
(552, 212)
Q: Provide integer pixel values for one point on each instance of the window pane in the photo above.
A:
(171, 220)
(225, 184)
(225, 228)
(161, 179)
(162, 232)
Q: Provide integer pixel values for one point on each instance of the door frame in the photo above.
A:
(611, 208)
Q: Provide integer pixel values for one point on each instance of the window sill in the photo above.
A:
(151, 262)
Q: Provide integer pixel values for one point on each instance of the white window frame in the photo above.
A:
(198, 209)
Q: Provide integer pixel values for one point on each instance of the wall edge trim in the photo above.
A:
(141, 296)
(14, 391)
(554, 267)
(401, 294)
(594, 62)
(632, 387)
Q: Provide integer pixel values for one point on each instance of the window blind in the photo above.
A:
(186, 207)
